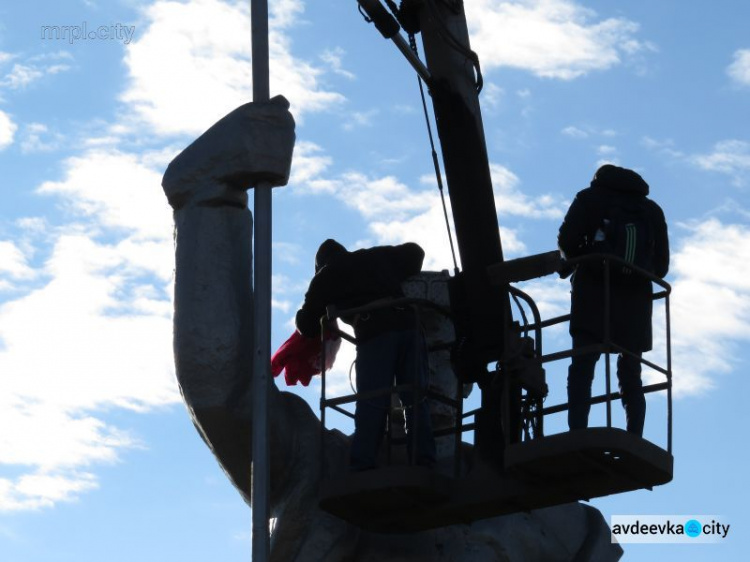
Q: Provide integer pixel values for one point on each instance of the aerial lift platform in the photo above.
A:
(533, 470)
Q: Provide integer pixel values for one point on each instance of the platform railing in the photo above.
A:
(419, 391)
(607, 347)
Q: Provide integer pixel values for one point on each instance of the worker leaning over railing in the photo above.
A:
(612, 216)
(389, 342)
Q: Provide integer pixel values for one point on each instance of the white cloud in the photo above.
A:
(60, 55)
(95, 331)
(205, 70)
(13, 262)
(117, 189)
(287, 252)
(575, 132)
(281, 306)
(61, 441)
(666, 147)
(739, 70)
(24, 73)
(710, 303)
(611, 160)
(379, 197)
(552, 296)
(512, 244)
(492, 96)
(70, 343)
(334, 59)
(397, 213)
(357, 119)
(510, 200)
(21, 75)
(427, 228)
(550, 38)
(7, 130)
(587, 131)
(38, 138)
(95, 334)
(285, 285)
(281, 285)
(285, 13)
(341, 377)
(308, 164)
(730, 157)
(38, 490)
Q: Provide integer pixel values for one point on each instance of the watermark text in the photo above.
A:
(669, 528)
(84, 32)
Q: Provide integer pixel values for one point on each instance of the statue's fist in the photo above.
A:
(252, 144)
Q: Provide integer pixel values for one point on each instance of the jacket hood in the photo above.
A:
(328, 252)
(619, 179)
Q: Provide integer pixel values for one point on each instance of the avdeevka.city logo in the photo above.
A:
(693, 528)
(669, 528)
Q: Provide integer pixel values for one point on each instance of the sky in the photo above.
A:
(98, 458)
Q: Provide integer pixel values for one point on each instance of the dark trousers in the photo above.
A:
(399, 355)
(581, 375)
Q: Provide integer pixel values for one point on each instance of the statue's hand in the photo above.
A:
(252, 144)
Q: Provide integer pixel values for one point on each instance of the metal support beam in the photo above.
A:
(459, 123)
(262, 321)
(482, 311)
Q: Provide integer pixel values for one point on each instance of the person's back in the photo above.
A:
(614, 193)
(353, 279)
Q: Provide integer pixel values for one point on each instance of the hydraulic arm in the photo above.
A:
(480, 310)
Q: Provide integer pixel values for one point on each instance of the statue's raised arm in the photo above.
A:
(206, 185)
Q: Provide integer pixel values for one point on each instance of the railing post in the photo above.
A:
(607, 336)
(459, 428)
(416, 393)
(669, 373)
(322, 395)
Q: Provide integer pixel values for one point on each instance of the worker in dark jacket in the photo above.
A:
(389, 343)
(614, 193)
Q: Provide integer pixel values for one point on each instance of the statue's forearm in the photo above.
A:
(213, 330)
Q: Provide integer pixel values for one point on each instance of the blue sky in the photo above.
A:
(98, 459)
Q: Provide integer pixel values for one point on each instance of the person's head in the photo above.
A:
(616, 178)
(604, 174)
(327, 252)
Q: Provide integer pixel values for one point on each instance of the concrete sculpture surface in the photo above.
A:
(206, 186)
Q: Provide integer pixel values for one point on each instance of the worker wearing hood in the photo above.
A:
(588, 227)
(390, 345)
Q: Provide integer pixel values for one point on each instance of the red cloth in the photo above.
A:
(300, 357)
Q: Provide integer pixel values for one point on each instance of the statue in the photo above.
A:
(206, 186)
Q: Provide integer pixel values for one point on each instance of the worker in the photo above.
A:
(390, 345)
(613, 216)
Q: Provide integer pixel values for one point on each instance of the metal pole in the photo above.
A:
(607, 335)
(262, 339)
